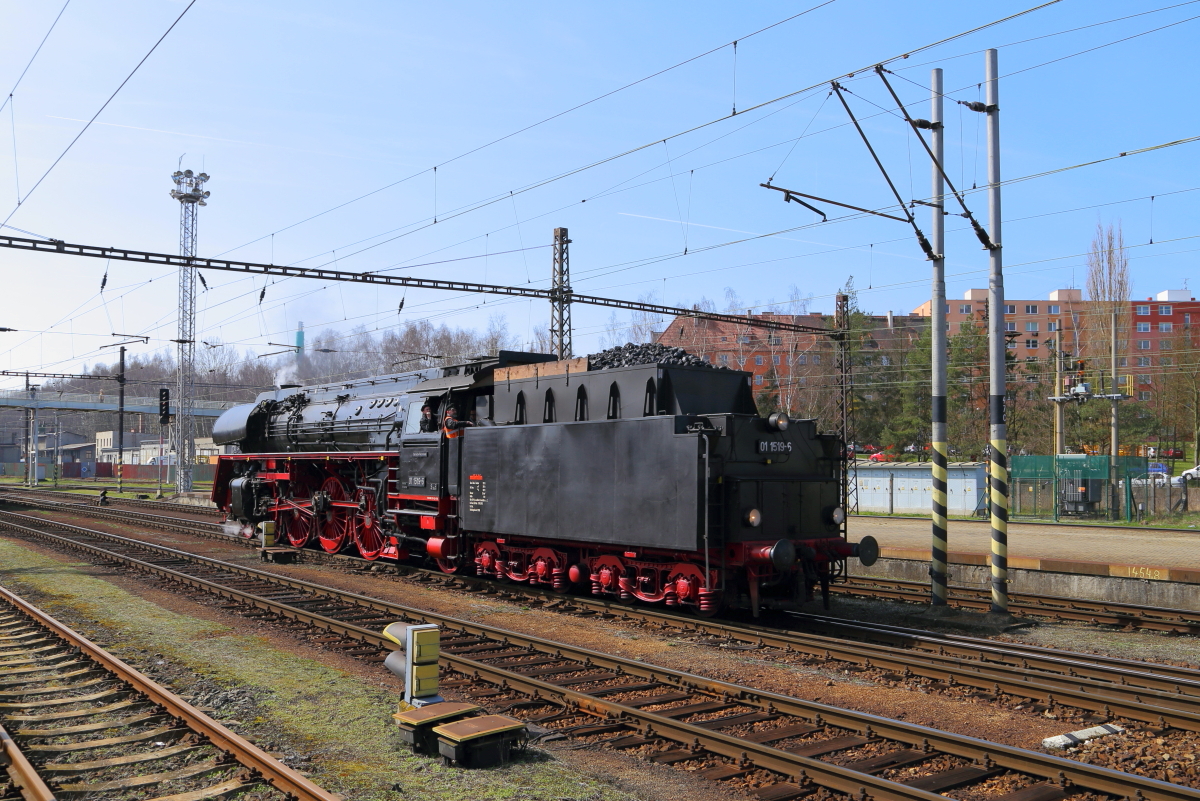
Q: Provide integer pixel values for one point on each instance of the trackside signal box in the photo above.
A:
(416, 662)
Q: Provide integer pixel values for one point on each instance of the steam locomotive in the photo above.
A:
(658, 482)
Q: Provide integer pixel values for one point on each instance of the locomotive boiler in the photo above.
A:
(658, 482)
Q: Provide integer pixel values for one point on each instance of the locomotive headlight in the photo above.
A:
(778, 421)
(838, 515)
(753, 518)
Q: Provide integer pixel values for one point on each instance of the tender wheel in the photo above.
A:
(335, 524)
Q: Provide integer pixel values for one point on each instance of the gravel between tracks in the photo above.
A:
(950, 709)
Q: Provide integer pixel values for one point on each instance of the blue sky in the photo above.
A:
(294, 108)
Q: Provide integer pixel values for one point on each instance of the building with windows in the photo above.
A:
(1035, 328)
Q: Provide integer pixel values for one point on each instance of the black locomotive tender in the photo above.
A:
(658, 482)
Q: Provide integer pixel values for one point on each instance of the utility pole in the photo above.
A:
(28, 428)
(191, 195)
(998, 450)
(560, 296)
(939, 569)
(1060, 434)
(31, 454)
(1114, 506)
(121, 421)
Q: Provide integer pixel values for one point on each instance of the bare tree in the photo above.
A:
(1108, 292)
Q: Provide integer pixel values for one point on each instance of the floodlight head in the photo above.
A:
(176, 174)
(187, 173)
(203, 176)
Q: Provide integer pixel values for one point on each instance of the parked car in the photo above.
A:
(1172, 453)
(1159, 479)
(1192, 474)
(881, 456)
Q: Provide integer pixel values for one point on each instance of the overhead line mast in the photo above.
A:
(190, 193)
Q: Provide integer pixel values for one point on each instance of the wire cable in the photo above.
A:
(98, 112)
(39, 49)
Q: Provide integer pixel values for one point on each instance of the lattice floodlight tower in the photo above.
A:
(189, 191)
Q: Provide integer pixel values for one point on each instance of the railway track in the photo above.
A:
(789, 747)
(75, 721)
(1161, 695)
(79, 498)
(1175, 621)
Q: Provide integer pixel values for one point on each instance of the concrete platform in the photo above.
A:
(1144, 566)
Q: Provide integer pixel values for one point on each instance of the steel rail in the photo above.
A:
(1135, 690)
(246, 753)
(1025, 522)
(1154, 618)
(166, 506)
(802, 768)
(23, 776)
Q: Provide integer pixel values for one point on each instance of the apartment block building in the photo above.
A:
(1158, 325)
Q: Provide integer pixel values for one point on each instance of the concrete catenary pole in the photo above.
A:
(1114, 511)
(121, 423)
(937, 240)
(1060, 434)
(998, 435)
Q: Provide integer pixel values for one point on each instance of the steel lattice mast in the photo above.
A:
(560, 297)
(190, 193)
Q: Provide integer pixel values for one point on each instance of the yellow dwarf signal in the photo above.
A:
(417, 661)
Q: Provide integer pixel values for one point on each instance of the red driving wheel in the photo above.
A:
(368, 536)
(295, 527)
(333, 527)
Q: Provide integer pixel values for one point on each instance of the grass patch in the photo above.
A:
(338, 722)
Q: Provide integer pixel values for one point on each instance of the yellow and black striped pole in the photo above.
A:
(997, 385)
(938, 569)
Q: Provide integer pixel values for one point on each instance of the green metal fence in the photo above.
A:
(1078, 485)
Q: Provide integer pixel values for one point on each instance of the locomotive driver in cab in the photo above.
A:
(452, 425)
(428, 424)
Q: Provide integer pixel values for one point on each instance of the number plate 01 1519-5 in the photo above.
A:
(416, 481)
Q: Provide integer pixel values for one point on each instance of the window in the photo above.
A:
(1122, 361)
(1143, 344)
(614, 401)
(776, 359)
(868, 361)
(776, 340)
(758, 360)
(1031, 344)
(1165, 344)
(1010, 308)
(1143, 361)
(1053, 309)
(816, 358)
(1011, 345)
(650, 404)
(1075, 319)
(1031, 379)
(1144, 311)
(1031, 359)
(802, 358)
(1143, 395)
(1010, 326)
(964, 308)
(1052, 325)
(1187, 320)
(1143, 328)
(724, 358)
(802, 380)
(548, 415)
(885, 361)
(724, 339)
(1031, 327)
(519, 413)
(681, 332)
(758, 380)
(1166, 328)
(1144, 379)
(947, 308)
(1165, 311)
(744, 339)
(947, 326)
(1030, 308)
(1165, 361)
(581, 405)
(1029, 394)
